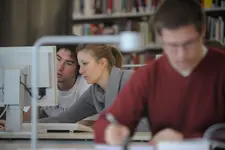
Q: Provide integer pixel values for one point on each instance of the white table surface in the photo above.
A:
(139, 136)
(54, 144)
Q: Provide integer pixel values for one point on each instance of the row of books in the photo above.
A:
(143, 27)
(215, 29)
(137, 59)
(212, 3)
(215, 25)
(91, 7)
(88, 7)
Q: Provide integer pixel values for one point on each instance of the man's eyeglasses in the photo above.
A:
(186, 45)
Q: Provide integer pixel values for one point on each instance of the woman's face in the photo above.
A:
(91, 68)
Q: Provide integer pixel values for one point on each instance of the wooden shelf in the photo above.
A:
(111, 17)
(152, 46)
(215, 12)
(220, 9)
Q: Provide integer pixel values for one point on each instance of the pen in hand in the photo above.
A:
(113, 120)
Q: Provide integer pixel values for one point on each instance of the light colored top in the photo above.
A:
(67, 98)
(94, 100)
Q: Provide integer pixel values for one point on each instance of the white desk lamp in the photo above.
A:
(128, 42)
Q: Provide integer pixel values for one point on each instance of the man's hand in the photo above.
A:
(2, 125)
(167, 135)
(116, 134)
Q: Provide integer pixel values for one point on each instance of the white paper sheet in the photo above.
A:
(131, 147)
(58, 149)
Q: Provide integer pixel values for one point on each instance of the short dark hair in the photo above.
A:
(72, 50)
(173, 14)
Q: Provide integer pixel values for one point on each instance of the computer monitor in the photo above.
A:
(15, 81)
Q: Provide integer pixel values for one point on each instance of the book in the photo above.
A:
(57, 127)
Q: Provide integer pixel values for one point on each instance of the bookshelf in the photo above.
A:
(214, 10)
(91, 17)
(99, 18)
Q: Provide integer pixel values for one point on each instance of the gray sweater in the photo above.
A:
(94, 100)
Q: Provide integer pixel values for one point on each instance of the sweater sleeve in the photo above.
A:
(81, 109)
(192, 135)
(128, 108)
(83, 86)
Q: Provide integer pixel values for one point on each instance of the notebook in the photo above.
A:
(58, 127)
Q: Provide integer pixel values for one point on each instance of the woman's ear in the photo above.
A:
(103, 62)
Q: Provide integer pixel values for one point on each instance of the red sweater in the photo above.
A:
(186, 104)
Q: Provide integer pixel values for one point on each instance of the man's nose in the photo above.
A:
(61, 67)
(181, 52)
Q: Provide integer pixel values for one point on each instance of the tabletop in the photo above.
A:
(139, 136)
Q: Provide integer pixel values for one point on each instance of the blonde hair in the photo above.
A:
(112, 54)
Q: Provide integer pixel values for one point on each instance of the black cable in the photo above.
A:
(212, 135)
(3, 89)
(209, 133)
(4, 111)
(28, 90)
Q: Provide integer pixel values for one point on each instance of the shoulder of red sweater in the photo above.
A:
(155, 62)
(217, 50)
(148, 68)
(217, 55)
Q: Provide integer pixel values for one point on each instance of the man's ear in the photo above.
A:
(158, 36)
(203, 30)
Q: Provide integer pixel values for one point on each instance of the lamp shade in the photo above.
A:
(130, 42)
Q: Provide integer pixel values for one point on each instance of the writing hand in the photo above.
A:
(116, 134)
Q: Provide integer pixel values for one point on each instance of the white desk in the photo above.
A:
(62, 145)
(25, 144)
(54, 140)
(139, 136)
(81, 145)
(75, 141)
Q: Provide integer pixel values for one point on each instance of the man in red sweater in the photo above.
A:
(182, 93)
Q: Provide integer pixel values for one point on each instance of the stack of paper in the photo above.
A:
(131, 147)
